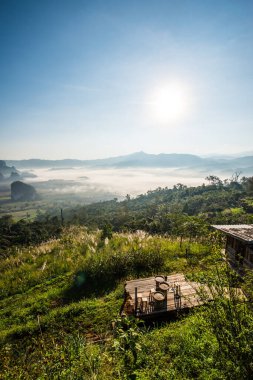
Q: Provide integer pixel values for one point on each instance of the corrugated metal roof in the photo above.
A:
(241, 231)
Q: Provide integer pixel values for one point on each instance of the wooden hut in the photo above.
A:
(239, 244)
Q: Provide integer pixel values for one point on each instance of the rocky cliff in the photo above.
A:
(8, 173)
(20, 191)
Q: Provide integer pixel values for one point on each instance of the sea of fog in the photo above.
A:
(117, 182)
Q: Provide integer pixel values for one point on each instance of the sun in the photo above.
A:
(169, 103)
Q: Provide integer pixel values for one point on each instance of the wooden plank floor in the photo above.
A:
(189, 295)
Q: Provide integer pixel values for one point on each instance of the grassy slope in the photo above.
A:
(59, 297)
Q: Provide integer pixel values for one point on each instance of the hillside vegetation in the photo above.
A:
(61, 292)
(182, 210)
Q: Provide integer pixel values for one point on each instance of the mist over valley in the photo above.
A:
(102, 179)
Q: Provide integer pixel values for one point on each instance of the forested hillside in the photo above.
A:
(62, 286)
(181, 210)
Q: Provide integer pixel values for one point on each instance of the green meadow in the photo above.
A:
(60, 302)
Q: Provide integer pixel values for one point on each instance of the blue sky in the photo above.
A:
(79, 78)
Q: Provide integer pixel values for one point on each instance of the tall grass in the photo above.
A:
(128, 256)
(60, 297)
(230, 318)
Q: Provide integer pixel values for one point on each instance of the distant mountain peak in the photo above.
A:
(142, 159)
(141, 153)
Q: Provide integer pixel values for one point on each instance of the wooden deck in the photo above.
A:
(145, 298)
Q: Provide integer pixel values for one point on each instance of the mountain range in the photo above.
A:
(242, 164)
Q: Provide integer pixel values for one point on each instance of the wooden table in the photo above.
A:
(164, 286)
(159, 299)
(158, 296)
(158, 281)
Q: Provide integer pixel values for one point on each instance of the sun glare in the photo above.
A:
(169, 103)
